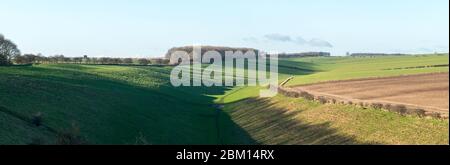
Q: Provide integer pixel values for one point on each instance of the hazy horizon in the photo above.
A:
(141, 28)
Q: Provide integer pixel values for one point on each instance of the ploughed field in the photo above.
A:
(427, 91)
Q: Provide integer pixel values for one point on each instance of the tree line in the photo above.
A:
(10, 54)
(61, 59)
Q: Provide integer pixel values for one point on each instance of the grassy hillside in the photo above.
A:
(137, 105)
(342, 68)
(108, 104)
(320, 69)
(286, 121)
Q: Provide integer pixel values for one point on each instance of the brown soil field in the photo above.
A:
(427, 91)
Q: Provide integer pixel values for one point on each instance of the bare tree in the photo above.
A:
(8, 50)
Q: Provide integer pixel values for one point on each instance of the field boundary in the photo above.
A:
(420, 67)
(400, 108)
(368, 78)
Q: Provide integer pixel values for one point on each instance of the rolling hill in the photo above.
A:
(137, 105)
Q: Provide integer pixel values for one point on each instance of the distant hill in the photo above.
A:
(391, 54)
(220, 49)
(376, 54)
(304, 54)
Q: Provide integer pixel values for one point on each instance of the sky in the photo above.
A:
(148, 28)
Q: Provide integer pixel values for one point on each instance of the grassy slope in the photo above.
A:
(110, 105)
(336, 124)
(313, 70)
(115, 105)
(341, 68)
(283, 120)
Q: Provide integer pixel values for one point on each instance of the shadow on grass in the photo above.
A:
(115, 111)
(112, 111)
(264, 122)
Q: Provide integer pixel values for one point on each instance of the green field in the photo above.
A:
(109, 104)
(322, 69)
(137, 105)
(342, 68)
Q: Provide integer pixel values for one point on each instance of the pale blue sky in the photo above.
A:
(145, 28)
